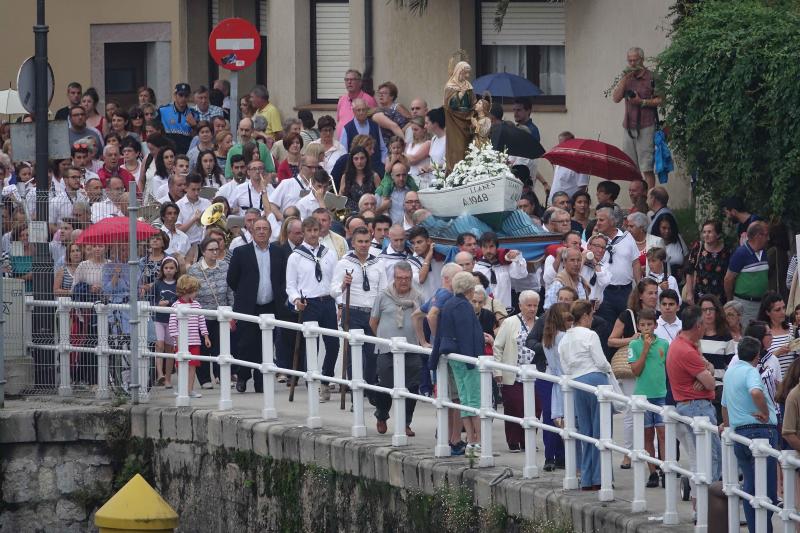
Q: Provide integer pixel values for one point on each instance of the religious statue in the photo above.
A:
(459, 108)
(481, 123)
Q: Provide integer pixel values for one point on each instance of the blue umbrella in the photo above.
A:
(505, 84)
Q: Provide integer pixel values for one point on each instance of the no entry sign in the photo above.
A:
(234, 44)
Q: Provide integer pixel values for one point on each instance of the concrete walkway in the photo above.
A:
(424, 424)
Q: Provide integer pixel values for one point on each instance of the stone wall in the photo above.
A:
(229, 471)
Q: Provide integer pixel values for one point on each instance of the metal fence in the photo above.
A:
(109, 357)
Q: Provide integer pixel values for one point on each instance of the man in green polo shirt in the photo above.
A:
(245, 134)
(748, 271)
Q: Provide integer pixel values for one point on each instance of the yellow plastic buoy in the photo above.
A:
(136, 508)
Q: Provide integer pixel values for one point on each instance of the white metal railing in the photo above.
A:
(701, 427)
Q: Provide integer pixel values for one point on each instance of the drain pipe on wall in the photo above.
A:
(369, 56)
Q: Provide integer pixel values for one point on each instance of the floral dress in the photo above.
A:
(709, 269)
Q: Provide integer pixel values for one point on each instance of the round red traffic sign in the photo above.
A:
(234, 44)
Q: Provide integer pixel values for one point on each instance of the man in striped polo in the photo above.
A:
(748, 271)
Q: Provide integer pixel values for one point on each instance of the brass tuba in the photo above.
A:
(214, 215)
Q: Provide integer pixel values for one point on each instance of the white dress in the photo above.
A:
(423, 179)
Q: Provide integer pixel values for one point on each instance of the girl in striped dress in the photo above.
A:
(187, 289)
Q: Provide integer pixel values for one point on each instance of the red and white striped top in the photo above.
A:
(197, 324)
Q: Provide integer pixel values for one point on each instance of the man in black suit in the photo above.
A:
(257, 276)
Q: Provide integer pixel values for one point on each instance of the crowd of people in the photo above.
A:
(700, 325)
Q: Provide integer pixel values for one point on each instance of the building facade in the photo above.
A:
(573, 50)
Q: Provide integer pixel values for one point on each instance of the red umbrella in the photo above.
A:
(114, 230)
(595, 158)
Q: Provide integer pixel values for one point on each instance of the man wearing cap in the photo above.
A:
(179, 119)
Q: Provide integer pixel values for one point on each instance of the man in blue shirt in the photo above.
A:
(748, 409)
(179, 119)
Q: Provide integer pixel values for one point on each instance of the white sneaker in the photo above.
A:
(195, 394)
(208, 385)
(324, 394)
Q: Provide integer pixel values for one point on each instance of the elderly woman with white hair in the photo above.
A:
(458, 331)
(510, 349)
(637, 224)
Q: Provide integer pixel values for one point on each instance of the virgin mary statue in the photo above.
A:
(459, 108)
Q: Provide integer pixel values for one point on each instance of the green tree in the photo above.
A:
(732, 100)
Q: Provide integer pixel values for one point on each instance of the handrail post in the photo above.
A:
(144, 346)
(64, 387)
(399, 402)
(640, 467)
(442, 449)
(182, 355)
(606, 466)
(530, 470)
(788, 490)
(760, 492)
(486, 377)
(312, 367)
(570, 459)
(28, 335)
(730, 478)
(225, 402)
(704, 467)
(101, 350)
(356, 386)
(670, 479)
(266, 323)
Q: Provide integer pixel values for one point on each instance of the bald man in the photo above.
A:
(245, 135)
(363, 125)
(418, 108)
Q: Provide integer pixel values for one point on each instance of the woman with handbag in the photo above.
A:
(583, 360)
(214, 291)
(510, 349)
(645, 296)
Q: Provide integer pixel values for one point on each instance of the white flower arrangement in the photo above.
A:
(478, 164)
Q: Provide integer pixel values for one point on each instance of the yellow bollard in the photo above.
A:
(136, 508)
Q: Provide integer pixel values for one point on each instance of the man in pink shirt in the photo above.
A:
(344, 108)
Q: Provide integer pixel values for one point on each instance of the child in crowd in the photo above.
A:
(657, 271)
(187, 292)
(648, 357)
(166, 293)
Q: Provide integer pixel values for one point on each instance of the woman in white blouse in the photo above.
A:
(582, 359)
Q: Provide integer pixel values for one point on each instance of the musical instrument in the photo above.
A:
(214, 215)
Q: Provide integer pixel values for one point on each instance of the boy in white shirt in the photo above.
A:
(668, 324)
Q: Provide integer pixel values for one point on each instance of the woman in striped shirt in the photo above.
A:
(717, 345)
(773, 312)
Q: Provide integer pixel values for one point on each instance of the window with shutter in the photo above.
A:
(330, 49)
(530, 44)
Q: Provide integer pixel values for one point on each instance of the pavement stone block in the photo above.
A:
(154, 423)
(338, 457)
(200, 425)
(183, 424)
(244, 434)
(17, 426)
(323, 450)
(381, 460)
(169, 428)
(511, 489)
(306, 447)
(215, 431)
(425, 475)
(395, 463)
(411, 474)
(260, 438)
(139, 421)
(230, 424)
(276, 441)
(292, 437)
